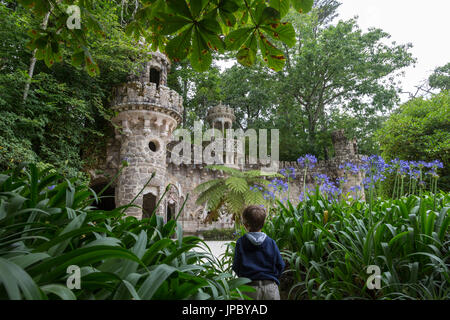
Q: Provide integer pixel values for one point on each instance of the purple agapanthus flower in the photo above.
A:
(349, 168)
(308, 161)
(355, 188)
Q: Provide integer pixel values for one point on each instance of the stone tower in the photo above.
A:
(148, 113)
(221, 117)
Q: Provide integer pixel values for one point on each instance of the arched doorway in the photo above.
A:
(107, 200)
(148, 205)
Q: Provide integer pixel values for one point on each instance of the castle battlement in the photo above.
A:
(149, 96)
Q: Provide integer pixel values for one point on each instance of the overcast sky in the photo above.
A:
(425, 24)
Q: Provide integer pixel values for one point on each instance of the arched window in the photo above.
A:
(148, 205)
(171, 211)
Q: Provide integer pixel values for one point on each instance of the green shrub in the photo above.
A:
(219, 234)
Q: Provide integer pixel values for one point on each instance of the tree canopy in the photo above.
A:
(193, 29)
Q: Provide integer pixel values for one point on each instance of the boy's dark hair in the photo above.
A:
(254, 216)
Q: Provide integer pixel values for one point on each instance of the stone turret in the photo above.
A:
(148, 113)
(221, 117)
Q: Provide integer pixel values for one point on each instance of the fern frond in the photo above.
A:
(213, 192)
(236, 184)
(206, 185)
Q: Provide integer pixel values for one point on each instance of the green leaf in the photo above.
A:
(282, 32)
(180, 7)
(237, 184)
(264, 15)
(282, 6)
(247, 54)
(178, 48)
(236, 38)
(303, 6)
(212, 40)
(272, 56)
(154, 281)
(226, 12)
(197, 6)
(167, 23)
(61, 291)
(200, 57)
(17, 282)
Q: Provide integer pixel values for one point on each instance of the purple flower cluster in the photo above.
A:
(355, 188)
(400, 167)
(349, 168)
(327, 187)
(341, 181)
(278, 185)
(308, 161)
(288, 173)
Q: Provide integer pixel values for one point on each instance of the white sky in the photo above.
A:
(425, 24)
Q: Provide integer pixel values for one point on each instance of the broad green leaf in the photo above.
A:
(303, 6)
(282, 6)
(180, 7)
(281, 31)
(154, 280)
(247, 54)
(236, 38)
(167, 23)
(226, 12)
(178, 48)
(200, 56)
(197, 6)
(264, 15)
(272, 56)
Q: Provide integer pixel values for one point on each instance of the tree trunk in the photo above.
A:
(184, 102)
(33, 61)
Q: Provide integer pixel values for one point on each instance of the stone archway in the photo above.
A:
(149, 202)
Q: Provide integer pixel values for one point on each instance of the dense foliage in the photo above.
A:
(64, 120)
(48, 224)
(419, 129)
(329, 247)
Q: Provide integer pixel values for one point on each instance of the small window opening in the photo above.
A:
(155, 76)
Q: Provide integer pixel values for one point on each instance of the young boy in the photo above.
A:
(257, 257)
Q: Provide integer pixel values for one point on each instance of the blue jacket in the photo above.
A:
(257, 257)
